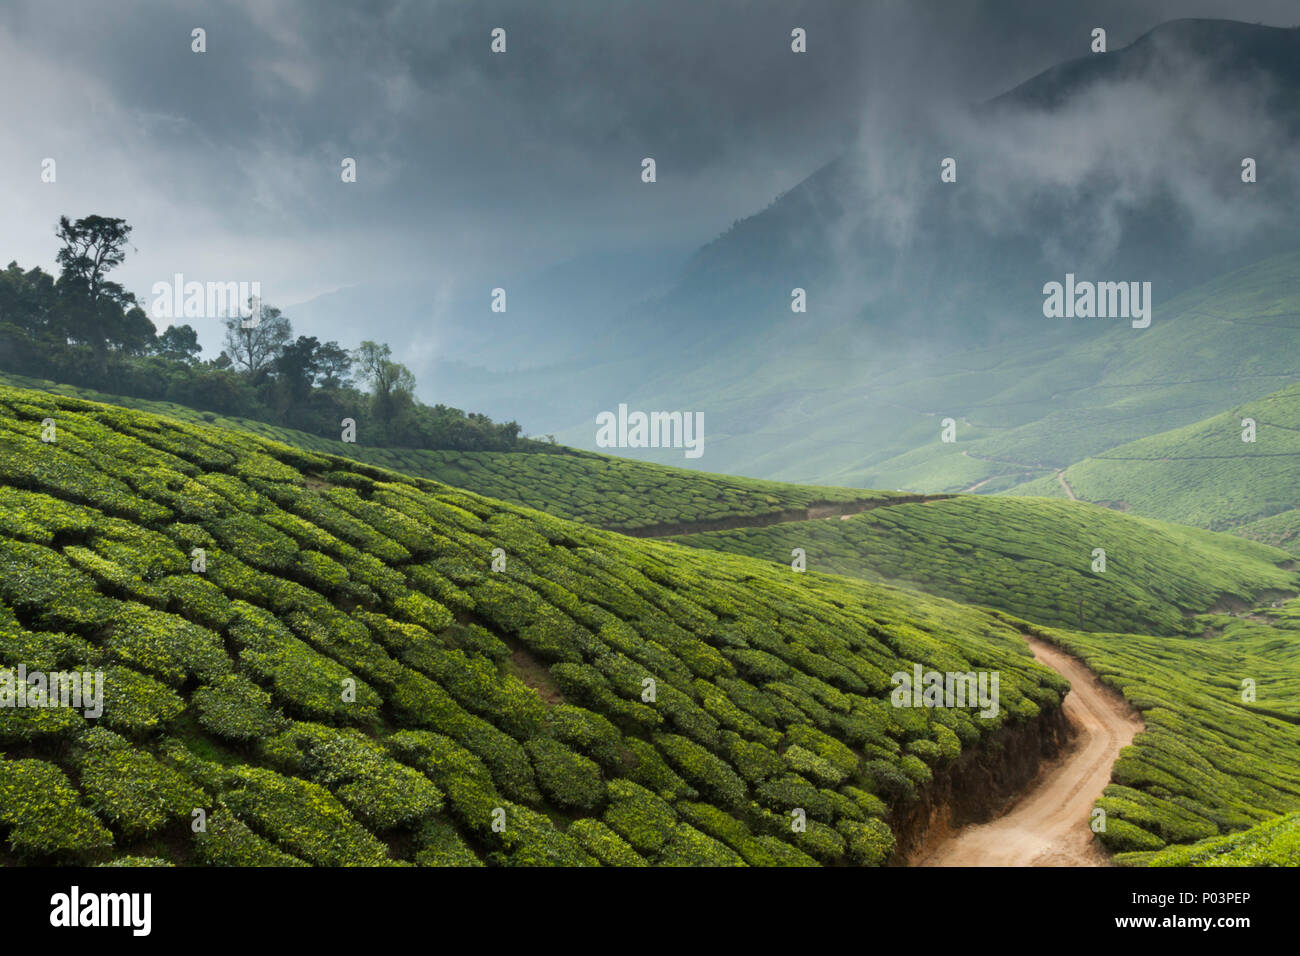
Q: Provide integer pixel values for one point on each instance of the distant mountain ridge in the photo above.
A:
(934, 287)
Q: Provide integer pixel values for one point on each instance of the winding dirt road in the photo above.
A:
(1048, 824)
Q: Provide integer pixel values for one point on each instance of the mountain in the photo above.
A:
(934, 290)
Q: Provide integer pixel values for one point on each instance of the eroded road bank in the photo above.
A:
(1048, 824)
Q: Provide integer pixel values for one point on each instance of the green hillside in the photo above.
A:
(1204, 474)
(620, 494)
(1032, 409)
(1032, 557)
(346, 680)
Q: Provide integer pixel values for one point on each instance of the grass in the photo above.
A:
(318, 654)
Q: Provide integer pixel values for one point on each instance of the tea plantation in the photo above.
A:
(311, 660)
(1032, 557)
(615, 493)
(1205, 474)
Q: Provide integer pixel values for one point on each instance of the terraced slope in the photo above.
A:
(320, 657)
(616, 493)
(1032, 557)
(1204, 474)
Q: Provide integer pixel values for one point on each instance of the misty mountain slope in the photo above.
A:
(926, 297)
(549, 318)
(1232, 49)
(1234, 339)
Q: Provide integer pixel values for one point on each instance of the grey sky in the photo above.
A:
(227, 163)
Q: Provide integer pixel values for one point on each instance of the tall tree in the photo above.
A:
(391, 384)
(92, 305)
(180, 343)
(254, 344)
(297, 365)
(335, 366)
(384, 376)
(92, 247)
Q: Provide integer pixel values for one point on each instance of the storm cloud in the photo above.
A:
(472, 164)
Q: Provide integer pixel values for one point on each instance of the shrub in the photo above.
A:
(710, 775)
(604, 844)
(194, 597)
(753, 761)
(303, 818)
(165, 645)
(589, 734)
(227, 841)
(133, 861)
(302, 680)
(438, 844)
(716, 823)
(21, 725)
(131, 789)
(235, 708)
(44, 813)
(571, 781)
(869, 843)
(136, 704)
(639, 817)
(689, 847)
(810, 765)
(1120, 836)
(820, 841)
(770, 851)
(530, 839)
(379, 791)
(461, 775)
(39, 581)
(653, 772)
(792, 792)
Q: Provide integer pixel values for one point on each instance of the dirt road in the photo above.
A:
(1049, 824)
(1060, 476)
